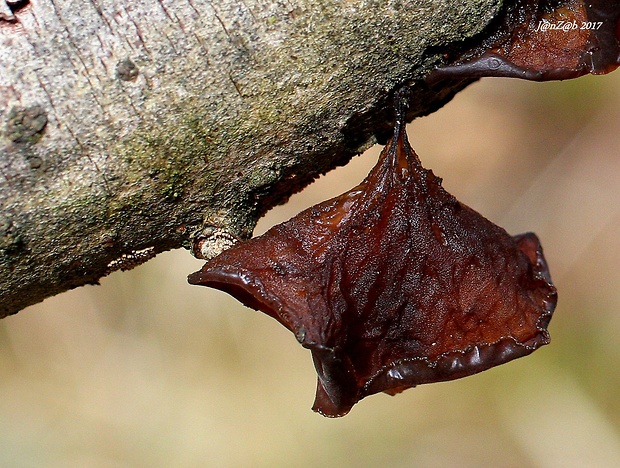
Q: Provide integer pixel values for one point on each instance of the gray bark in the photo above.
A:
(126, 127)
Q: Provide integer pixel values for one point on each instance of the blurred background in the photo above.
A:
(148, 371)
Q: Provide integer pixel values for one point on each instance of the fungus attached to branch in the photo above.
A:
(392, 284)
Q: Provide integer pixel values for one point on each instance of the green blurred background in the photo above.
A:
(146, 370)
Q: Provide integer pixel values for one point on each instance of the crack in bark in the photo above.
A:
(9, 9)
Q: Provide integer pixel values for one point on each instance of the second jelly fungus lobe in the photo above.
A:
(393, 284)
(544, 40)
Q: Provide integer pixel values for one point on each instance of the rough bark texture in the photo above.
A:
(128, 126)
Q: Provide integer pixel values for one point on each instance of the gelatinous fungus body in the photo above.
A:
(543, 40)
(393, 284)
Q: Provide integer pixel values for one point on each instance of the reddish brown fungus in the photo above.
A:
(551, 41)
(393, 284)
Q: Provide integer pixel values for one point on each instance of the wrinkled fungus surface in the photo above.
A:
(393, 284)
(544, 40)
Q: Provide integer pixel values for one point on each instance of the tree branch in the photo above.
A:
(130, 127)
